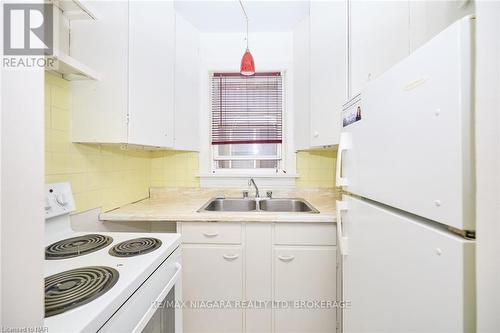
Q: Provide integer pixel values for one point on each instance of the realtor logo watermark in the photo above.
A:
(27, 35)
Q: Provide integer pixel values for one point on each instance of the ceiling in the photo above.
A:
(227, 16)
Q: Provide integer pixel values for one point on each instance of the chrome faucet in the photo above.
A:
(252, 182)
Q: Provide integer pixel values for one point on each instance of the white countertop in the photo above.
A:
(181, 205)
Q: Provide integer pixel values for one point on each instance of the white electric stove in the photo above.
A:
(108, 281)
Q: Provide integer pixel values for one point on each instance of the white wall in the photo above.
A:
(1, 50)
(223, 52)
(21, 196)
(22, 179)
(488, 165)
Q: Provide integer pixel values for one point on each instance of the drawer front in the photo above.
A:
(211, 233)
(305, 234)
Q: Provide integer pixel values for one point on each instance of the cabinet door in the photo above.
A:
(328, 56)
(379, 38)
(99, 109)
(151, 73)
(305, 274)
(212, 273)
(301, 100)
(187, 86)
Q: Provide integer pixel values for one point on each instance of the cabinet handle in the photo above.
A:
(230, 256)
(316, 134)
(210, 234)
(286, 258)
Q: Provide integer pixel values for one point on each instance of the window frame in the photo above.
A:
(281, 147)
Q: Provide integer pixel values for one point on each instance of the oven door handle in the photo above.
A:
(149, 314)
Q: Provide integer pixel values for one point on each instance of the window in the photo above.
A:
(247, 114)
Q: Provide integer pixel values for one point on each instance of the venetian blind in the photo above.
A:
(246, 109)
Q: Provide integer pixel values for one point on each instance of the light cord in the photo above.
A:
(246, 18)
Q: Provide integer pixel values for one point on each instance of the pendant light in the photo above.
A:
(247, 66)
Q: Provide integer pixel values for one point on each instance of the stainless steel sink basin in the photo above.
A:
(286, 205)
(229, 205)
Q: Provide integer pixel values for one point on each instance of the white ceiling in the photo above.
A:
(226, 16)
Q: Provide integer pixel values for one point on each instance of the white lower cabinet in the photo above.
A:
(305, 277)
(212, 273)
(277, 263)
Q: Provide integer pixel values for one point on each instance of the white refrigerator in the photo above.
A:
(406, 219)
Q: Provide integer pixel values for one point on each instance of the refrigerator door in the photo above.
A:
(401, 274)
(410, 143)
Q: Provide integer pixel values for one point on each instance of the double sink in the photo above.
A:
(291, 205)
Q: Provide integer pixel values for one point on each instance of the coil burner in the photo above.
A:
(135, 247)
(76, 246)
(70, 289)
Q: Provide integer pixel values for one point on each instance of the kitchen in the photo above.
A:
(251, 166)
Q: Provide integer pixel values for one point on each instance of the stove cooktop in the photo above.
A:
(84, 284)
(93, 298)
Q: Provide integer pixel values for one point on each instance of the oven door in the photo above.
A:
(166, 317)
(153, 307)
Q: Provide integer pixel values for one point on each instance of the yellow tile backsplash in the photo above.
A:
(108, 177)
(316, 168)
(174, 169)
(100, 176)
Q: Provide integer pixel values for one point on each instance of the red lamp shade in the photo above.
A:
(247, 64)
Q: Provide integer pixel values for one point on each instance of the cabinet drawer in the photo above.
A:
(305, 234)
(211, 233)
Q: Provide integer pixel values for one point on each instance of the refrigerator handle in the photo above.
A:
(344, 144)
(342, 240)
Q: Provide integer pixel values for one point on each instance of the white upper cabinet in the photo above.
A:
(133, 47)
(379, 33)
(151, 73)
(301, 100)
(100, 108)
(344, 44)
(320, 64)
(328, 70)
(64, 14)
(428, 18)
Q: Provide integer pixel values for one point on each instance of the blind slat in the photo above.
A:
(246, 109)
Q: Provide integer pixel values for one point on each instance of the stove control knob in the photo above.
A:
(61, 199)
